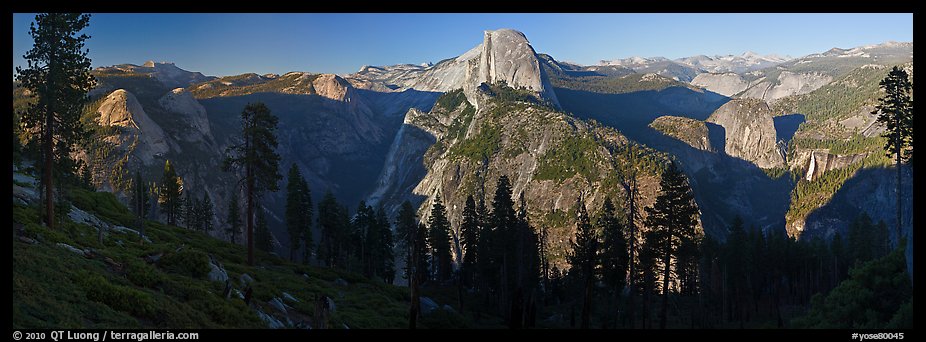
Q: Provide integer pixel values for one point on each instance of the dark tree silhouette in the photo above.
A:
(170, 192)
(673, 219)
(233, 221)
(140, 201)
(583, 259)
(613, 251)
(439, 240)
(406, 224)
(263, 238)
(895, 112)
(58, 74)
(297, 219)
(256, 154)
(469, 229)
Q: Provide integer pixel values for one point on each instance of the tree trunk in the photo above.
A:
(899, 186)
(665, 284)
(630, 255)
(47, 170)
(413, 278)
(587, 302)
(250, 180)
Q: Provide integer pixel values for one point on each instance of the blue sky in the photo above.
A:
(230, 44)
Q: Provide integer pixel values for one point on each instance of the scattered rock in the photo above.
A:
(217, 272)
(278, 304)
(272, 323)
(23, 195)
(239, 294)
(245, 279)
(153, 258)
(72, 248)
(127, 230)
(428, 305)
(80, 216)
(340, 282)
(290, 297)
(331, 306)
(24, 179)
(27, 240)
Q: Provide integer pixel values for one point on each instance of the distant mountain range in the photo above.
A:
(386, 134)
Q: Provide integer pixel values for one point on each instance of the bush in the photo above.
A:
(118, 297)
(187, 262)
(142, 274)
(574, 155)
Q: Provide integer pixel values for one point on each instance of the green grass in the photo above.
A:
(56, 288)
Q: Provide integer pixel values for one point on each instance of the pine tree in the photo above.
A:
(502, 236)
(527, 276)
(583, 258)
(421, 248)
(405, 228)
(673, 219)
(206, 215)
(58, 75)
(187, 213)
(485, 262)
(469, 229)
(613, 250)
(895, 112)
(257, 155)
(296, 223)
(364, 236)
(329, 223)
(384, 248)
(439, 240)
(262, 236)
(306, 204)
(234, 218)
(139, 201)
(170, 192)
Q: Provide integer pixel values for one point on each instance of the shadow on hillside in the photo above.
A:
(398, 178)
(724, 186)
(337, 146)
(870, 190)
(787, 125)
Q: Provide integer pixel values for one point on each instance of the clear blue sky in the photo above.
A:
(230, 44)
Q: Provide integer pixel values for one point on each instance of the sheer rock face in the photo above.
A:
(507, 56)
(726, 84)
(811, 163)
(504, 55)
(749, 132)
(193, 114)
(786, 84)
(138, 132)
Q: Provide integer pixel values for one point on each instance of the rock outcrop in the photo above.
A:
(726, 84)
(507, 56)
(181, 102)
(786, 84)
(749, 132)
(811, 163)
(139, 133)
(690, 131)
